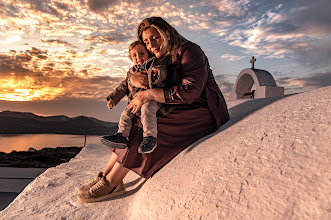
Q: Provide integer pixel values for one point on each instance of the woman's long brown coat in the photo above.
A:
(200, 110)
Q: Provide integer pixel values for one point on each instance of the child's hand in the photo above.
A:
(110, 104)
(140, 80)
(155, 71)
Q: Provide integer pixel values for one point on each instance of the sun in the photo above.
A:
(13, 89)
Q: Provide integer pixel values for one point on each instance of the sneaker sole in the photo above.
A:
(147, 152)
(113, 144)
(82, 191)
(101, 198)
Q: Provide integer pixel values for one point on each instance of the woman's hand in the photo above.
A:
(110, 104)
(138, 100)
(130, 88)
(140, 80)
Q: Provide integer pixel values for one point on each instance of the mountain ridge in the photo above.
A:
(13, 122)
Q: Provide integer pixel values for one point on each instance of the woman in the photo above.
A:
(199, 110)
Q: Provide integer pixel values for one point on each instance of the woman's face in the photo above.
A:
(153, 41)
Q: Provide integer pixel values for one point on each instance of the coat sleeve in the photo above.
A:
(193, 71)
(120, 91)
(161, 76)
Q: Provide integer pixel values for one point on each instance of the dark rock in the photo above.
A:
(31, 149)
(44, 158)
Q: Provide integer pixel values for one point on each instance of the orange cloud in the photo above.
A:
(58, 43)
(46, 75)
(111, 38)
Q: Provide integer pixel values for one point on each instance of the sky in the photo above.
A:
(63, 57)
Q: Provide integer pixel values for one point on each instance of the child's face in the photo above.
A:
(139, 54)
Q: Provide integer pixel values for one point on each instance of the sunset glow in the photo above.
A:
(64, 49)
(26, 89)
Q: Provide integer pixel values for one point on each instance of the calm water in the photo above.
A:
(22, 142)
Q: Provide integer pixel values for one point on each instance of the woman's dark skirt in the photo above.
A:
(176, 131)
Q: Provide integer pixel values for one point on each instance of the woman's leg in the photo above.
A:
(110, 164)
(109, 186)
(116, 174)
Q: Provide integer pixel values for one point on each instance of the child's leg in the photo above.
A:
(148, 118)
(125, 123)
(149, 122)
(120, 139)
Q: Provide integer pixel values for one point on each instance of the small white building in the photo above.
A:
(265, 84)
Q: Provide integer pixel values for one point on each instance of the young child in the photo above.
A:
(157, 72)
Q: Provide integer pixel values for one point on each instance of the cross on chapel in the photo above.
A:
(253, 61)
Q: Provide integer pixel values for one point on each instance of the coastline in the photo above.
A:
(44, 158)
(22, 142)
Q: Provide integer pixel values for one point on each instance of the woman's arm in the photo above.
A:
(193, 71)
(156, 94)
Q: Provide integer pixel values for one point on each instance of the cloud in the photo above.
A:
(37, 74)
(58, 43)
(106, 21)
(100, 5)
(105, 7)
(299, 29)
(97, 87)
(317, 55)
(225, 86)
(182, 14)
(229, 57)
(278, 73)
(231, 9)
(110, 38)
(315, 80)
(5, 39)
(85, 39)
(62, 61)
(312, 53)
(305, 18)
(213, 16)
(313, 18)
(305, 83)
(20, 84)
(44, 6)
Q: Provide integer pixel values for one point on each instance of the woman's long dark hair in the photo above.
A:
(171, 39)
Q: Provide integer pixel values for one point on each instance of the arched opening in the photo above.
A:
(245, 87)
(255, 83)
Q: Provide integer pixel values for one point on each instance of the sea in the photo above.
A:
(22, 142)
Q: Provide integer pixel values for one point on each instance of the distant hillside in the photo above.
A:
(29, 123)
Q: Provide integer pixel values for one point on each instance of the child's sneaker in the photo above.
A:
(115, 141)
(147, 145)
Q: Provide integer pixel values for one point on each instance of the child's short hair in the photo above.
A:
(133, 45)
